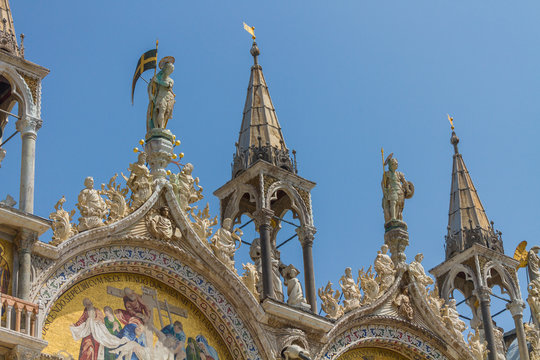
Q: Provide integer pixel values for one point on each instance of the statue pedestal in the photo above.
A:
(159, 151)
(396, 238)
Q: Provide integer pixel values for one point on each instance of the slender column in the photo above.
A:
(262, 220)
(306, 234)
(28, 127)
(484, 296)
(25, 242)
(516, 309)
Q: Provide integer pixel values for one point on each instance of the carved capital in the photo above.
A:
(397, 240)
(25, 240)
(28, 125)
(516, 307)
(263, 217)
(306, 235)
(484, 294)
(20, 352)
(159, 154)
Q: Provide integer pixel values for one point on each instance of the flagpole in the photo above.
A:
(157, 42)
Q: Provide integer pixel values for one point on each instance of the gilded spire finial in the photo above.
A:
(255, 52)
(454, 140)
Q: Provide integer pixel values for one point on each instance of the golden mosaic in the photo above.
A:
(6, 266)
(129, 316)
(372, 354)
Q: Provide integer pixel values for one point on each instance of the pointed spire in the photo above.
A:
(467, 220)
(8, 39)
(260, 135)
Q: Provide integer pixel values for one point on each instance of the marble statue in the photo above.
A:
(402, 302)
(250, 278)
(9, 201)
(533, 263)
(418, 274)
(62, 227)
(255, 254)
(139, 182)
(477, 345)
(369, 285)
(92, 207)
(161, 96)
(202, 223)
(534, 299)
(159, 224)
(384, 266)
(295, 295)
(434, 301)
(499, 342)
(533, 337)
(294, 352)
(186, 189)
(451, 319)
(395, 190)
(330, 302)
(224, 241)
(351, 291)
(116, 200)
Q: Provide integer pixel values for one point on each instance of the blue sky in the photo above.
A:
(346, 77)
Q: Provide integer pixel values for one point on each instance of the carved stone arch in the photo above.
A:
(297, 203)
(21, 91)
(233, 210)
(168, 270)
(449, 283)
(505, 283)
(385, 333)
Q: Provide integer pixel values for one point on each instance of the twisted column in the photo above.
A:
(306, 235)
(516, 309)
(28, 127)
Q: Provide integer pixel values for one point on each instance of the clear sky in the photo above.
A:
(346, 77)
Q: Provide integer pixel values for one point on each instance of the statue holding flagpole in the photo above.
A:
(161, 96)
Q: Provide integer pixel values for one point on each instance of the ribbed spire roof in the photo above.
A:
(467, 219)
(260, 134)
(8, 39)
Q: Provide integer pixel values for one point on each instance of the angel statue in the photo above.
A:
(161, 96)
(395, 190)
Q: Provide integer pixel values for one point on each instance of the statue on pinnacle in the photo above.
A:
(161, 96)
(395, 190)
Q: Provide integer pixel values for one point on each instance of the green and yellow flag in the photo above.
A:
(147, 61)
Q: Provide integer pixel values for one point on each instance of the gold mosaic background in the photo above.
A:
(69, 307)
(371, 354)
(7, 258)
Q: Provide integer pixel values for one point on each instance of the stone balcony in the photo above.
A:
(20, 330)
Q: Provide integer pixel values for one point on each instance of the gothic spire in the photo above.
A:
(467, 220)
(260, 135)
(8, 40)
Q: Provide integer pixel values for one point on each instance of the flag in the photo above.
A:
(250, 30)
(147, 61)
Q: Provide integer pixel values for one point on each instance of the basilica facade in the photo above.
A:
(140, 269)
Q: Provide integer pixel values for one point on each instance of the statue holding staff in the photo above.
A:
(161, 96)
(395, 190)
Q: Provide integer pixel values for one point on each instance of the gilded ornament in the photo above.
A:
(62, 227)
(250, 278)
(202, 223)
(116, 200)
(330, 302)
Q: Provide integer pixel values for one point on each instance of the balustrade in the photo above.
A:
(19, 315)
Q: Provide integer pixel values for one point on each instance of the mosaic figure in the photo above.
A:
(5, 274)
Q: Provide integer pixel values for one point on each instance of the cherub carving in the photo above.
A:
(330, 302)
(223, 243)
(62, 227)
(139, 182)
(403, 304)
(351, 291)
(186, 189)
(91, 205)
(116, 200)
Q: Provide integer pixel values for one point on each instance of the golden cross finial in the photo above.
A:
(451, 119)
(250, 29)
